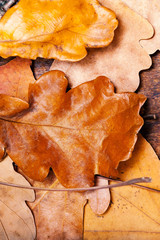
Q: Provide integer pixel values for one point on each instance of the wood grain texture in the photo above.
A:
(150, 86)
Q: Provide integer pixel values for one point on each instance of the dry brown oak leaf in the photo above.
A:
(134, 212)
(13, 83)
(83, 132)
(63, 29)
(16, 219)
(122, 60)
(62, 213)
(12, 77)
(150, 10)
(58, 215)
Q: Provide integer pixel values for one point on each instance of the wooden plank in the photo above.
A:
(150, 86)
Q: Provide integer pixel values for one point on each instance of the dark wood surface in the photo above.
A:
(149, 86)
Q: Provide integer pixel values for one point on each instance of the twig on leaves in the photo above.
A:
(120, 184)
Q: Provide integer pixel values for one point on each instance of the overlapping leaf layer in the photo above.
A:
(83, 132)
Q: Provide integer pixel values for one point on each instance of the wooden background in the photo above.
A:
(149, 86)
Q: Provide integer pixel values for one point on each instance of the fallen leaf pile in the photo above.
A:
(70, 126)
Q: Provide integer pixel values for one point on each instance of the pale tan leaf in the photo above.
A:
(149, 9)
(16, 219)
(58, 215)
(61, 213)
(122, 60)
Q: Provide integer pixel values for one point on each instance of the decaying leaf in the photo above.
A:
(15, 78)
(62, 213)
(58, 215)
(89, 128)
(134, 212)
(59, 29)
(122, 60)
(16, 220)
(150, 10)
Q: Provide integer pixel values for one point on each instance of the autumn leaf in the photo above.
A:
(62, 29)
(15, 78)
(62, 213)
(151, 11)
(44, 210)
(134, 212)
(89, 128)
(16, 220)
(122, 60)
(58, 215)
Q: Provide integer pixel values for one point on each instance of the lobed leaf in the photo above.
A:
(68, 208)
(59, 29)
(83, 132)
(61, 213)
(151, 11)
(47, 204)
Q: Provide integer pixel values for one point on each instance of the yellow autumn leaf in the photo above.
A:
(61, 29)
